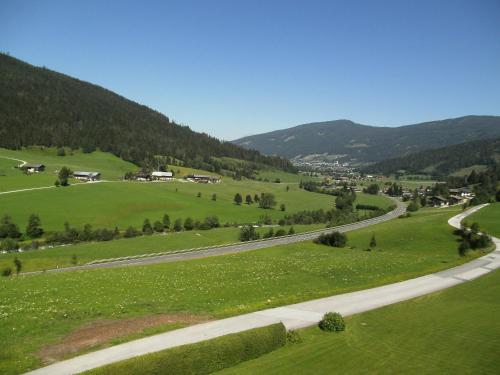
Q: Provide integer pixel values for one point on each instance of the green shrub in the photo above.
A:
(248, 233)
(335, 239)
(293, 337)
(280, 232)
(204, 357)
(7, 271)
(332, 322)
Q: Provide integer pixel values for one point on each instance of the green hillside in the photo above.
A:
(43, 107)
(458, 159)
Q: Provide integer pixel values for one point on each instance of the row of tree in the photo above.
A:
(265, 200)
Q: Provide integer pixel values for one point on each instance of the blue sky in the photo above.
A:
(234, 68)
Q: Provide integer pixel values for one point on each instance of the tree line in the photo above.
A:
(11, 236)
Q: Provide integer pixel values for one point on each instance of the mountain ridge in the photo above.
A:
(354, 142)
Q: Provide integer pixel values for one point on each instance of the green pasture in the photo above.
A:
(488, 219)
(129, 203)
(37, 310)
(110, 166)
(455, 331)
(62, 256)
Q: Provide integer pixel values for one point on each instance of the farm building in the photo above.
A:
(437, 201)
(33, 168)
(87, 176)
(202, 178)
(163, 176)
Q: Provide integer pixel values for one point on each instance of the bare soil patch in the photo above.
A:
(102, 331)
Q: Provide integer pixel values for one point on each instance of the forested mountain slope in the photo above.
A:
(354, 142)
(443, 161)
(42, 107)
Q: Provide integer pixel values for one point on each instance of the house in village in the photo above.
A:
(33, 168)
(162, 176)
(463, 192)
(87, 176)
(438, 201)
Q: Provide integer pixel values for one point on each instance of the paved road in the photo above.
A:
(293, 316)
(232, 248)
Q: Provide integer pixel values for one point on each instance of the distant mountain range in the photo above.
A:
(443, 161)
(42, 107)
(347, 141)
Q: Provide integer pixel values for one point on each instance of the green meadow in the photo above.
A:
(110, 166)
(37, 310)
(106, 205)
(455, 331)
(488, 219)
(110, 204)
(62, 256)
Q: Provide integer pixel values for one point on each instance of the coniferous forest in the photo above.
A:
(42, 107)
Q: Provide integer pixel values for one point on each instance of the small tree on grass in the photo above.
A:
(267, 200)
(131, 232)
(158, 226)
(256, 198)
(178, 225)
(34, 229)
(248, 199)
(280, 232)
(372, 189)
(373, 241)
(214, 197)
(18, 264)
(74, 259)
(291, 231)
(8, 228)
(248, 233)
(199, 194)
(474, 228)
(238, 199)
(64, 174)
(61, 152)
(188, 224)
(282, 207)
(146, 227)
(413, 206)
(166, 221)
(332, 322)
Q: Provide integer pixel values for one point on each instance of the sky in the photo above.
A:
(235, 68)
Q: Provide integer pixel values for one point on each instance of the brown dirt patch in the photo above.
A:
(102, 331)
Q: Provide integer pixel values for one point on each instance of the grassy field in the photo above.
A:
(129, 203)
(110, 166)
(42, 309)
(61, 256)
(455, 331)
(488, 219)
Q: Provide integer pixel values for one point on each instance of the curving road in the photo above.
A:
(293, 316)
(180, 255)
